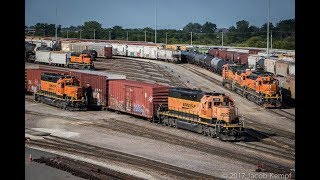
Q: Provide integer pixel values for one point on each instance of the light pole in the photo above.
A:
(56, 33)
(268, 28)
(67, 34)
(155, 25)
(222, 38)
(166, 38)
(80, 33)
(191, 38)
(94, 34)
(145, 36)
(109, 35)
(127, 36)
(271, 41)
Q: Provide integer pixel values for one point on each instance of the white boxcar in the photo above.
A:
(135, 50)
(59, 57)
(119, 49)
(65, 46)
(252, 60)
(162, 54)
(292, 69)
(52, 57)
(282, 68)
(150, 52)
(79, 47)
(169, 55)
(270, 65)
(42, 56)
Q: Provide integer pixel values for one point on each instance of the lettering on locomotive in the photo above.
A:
(188, 106)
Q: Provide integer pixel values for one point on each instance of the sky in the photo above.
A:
(171, 14)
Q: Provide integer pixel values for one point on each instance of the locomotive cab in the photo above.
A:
(268, 85)
(218, 107)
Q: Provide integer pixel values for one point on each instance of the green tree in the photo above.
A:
(286, 25)
(264, 27)
(193, 27)
(90, 28)
(242, 26)
(209, 27)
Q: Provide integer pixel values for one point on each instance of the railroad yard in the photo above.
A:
(117, 145)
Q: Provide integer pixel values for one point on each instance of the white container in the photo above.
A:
(42, 56)
(119, 49)
(150, 52)
(78, 47)
(58, 58)
(161, 54)
(292, 69)
(99, 47)
(135, 51)
(252, 60)
(65, 46)
(270, 65)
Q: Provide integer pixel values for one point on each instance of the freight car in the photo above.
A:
(258, 86)
(29, 50)
(203, 60)
(287, 85)
(56, 58)
(95, 50)
(61, 91)
(211, 114)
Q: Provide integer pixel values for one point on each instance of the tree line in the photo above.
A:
(242, 34)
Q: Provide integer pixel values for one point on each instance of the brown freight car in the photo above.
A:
(137, 98)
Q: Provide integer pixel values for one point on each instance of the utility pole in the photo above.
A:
(94, 34)
(155, 25)
(127, 36)
(222, 38)
(109, 35)
(56, 24)
(166, 38)
(191, 38)
(271, 41)
(268, 28)
(145, 36)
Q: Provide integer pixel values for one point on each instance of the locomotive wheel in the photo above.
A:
(36, 98)
(203, 130)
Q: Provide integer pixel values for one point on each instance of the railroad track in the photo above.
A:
(283, 113)
(132, 129)
(83, 169)
(91, 151)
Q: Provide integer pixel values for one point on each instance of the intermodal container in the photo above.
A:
(270, 65)
(292, 69)
(282, 68)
